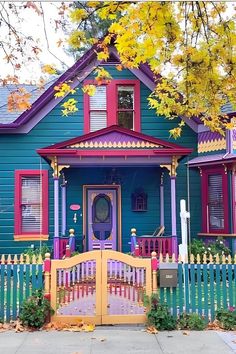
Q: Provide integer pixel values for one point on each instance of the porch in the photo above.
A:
(109, 181)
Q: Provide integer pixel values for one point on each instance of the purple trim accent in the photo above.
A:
(234, 246)
(49, 93)
(96, 243)
(173, 205)
(212, 159)
(56, 219)
(174, 245)
(56, 248)
(63, 209)
(209, 136)
(107, 161)
(72, 243)
(229, 141)
(162, 221)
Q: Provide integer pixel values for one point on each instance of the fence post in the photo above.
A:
(68, 252)
(155, 266)
(47, 275)
(72, 240)
(133, 241)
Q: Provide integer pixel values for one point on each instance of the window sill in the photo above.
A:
(31, 237)
(215, 234)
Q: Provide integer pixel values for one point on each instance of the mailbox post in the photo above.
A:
(168, 275)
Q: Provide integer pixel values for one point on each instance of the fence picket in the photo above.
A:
(14, 292)
(186, 287)
(212, 300)
(205, 289)
(192, 288)
(230, 284)
(224, 285)
(199, 289)
(180, 286)
(2, 297)
(8, 297)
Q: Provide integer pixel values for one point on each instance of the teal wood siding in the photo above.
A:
(145, 222)
(19, 152)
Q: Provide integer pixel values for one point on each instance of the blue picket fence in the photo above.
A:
(17, 282)
(202, 289)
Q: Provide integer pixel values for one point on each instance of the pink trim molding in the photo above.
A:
(18, 224)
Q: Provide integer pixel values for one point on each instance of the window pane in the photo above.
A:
(126, 97)
(99, 100)
(215, 202)
(125, 119)
(98, 120)
(30, 189)
(31, 218)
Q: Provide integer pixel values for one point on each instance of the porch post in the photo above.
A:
(56, 239)
(63, 205)
(173, 205)
(162, 222)
(56, 242)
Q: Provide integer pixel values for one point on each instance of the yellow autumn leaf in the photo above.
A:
(49, 69)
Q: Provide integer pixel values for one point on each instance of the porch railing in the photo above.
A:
(149, 244)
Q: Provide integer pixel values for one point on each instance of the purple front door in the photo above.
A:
(102, 219)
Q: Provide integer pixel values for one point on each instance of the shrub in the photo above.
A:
(159, 315)
(213, 248)
(191, 321)
(35, 310)
(36, 252)
(227, 318)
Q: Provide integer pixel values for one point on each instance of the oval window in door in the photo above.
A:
(102, 217)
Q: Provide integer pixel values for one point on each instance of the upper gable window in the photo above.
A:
(116, 103)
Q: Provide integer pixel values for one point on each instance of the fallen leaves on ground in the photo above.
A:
(185, 333)
(151, 330)
(13, 325)
(215, 326)
(70, 327)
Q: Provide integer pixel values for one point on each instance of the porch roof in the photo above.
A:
(113, 144)
(212, 159)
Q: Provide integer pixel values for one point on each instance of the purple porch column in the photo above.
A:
(63, 207)
(173, 214)
(162, 222)
(56, 241)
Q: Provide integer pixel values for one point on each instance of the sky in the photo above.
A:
(32, 25)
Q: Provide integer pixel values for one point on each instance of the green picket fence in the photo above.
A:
(17, 282)
(202, 289)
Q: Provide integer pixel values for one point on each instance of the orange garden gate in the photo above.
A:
(100, 287)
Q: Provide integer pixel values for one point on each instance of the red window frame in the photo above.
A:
(112, 103)
(205, 216)
(19, 174)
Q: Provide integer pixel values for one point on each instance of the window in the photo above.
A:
(31, 204)
(215, 209)
(116, 103)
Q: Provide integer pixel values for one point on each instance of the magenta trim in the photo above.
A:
(63, 209)
(162, 221)
(56, 218)
(205, 224)
(173, 205)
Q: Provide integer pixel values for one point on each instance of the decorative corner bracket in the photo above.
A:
(57, 168)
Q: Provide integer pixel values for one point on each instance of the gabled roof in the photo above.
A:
(75, 74)
(115, 141)
(7, 117)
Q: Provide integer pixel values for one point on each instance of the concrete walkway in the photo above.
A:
(118, 340)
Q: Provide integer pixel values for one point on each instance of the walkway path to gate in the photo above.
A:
(117, 340)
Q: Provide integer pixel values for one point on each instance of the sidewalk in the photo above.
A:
(117, 340)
